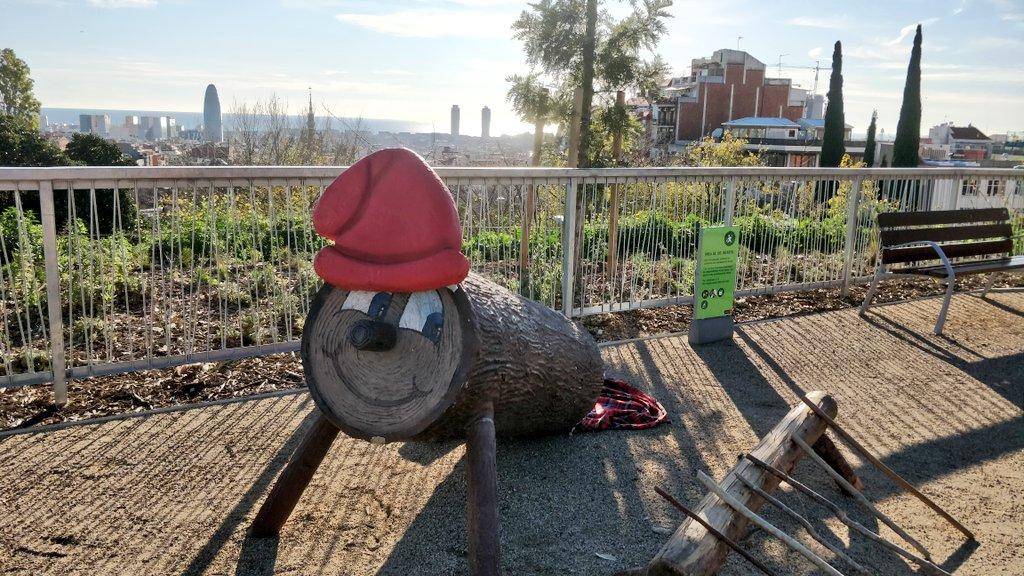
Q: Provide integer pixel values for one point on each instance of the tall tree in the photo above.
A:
(905, 149)
(574, 44)
(587, 82)
(832, 147)
(21, 144)
(869, 146)
(91, 150)
(16, 97)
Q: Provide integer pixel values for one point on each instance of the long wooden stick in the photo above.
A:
(734, 502)
(803, 522)
(844, 518)
(899, 480)
(711, 529)
(860, 497)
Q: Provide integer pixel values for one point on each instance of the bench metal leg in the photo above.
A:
(991, 282)
(872, 290)
(950, 286)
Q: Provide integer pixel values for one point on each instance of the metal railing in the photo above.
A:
(107, 270)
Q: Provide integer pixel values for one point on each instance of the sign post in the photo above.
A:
(714, 284)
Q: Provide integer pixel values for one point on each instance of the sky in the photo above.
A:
(412, 59)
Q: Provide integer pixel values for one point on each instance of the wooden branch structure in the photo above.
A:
(693, 550)
(861, 498)
(469, 361)
(803, 522)
(899, 480)
(696, 518)
(749, 514)
(844, 518)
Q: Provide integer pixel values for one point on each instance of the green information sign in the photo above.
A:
(717, 254)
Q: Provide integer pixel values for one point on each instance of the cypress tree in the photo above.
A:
(832, 148)
(908, 131)
(869, 146)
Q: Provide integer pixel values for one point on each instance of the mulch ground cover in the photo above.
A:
(196, 383)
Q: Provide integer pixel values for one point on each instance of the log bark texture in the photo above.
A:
(540, 371)
(692, 550)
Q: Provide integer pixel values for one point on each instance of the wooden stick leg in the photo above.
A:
(899, 480)
(296, 476)
(860, 497)
(482, 475)
(738, 505)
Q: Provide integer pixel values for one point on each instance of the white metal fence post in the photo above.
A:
(53, 308)
(568, 247)
(852, 207)
(730, 201)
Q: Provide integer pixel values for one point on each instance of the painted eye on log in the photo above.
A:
(424, 313)
(373, 304)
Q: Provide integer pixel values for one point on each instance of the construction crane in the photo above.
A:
(817, 68)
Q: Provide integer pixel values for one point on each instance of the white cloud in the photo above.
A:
(123, 3)
(909, 29)
(826, 23)
(433, 23)
(815, 52)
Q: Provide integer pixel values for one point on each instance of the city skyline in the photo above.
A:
(412, 62)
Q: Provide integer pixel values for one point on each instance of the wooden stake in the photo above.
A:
(734, 502)
(899, 480)
(843, 517)
(860, 497)
(482, 479)
(296, 476)
(803, 522)
(736, 547)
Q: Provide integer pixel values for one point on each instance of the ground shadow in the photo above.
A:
(258, 555)
(1002, 374)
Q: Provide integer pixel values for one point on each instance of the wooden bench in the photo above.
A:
(976, 241)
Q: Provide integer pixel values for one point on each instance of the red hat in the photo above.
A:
(394, 226)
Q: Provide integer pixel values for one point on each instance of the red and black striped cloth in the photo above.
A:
(622, 407)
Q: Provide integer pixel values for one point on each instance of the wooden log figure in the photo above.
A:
(447, 353)
(402, 343)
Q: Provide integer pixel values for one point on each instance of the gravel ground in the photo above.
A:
(173, 493)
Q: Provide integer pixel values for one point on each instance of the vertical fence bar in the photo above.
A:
(852, 206)
(613, 230)
(730, 202)
(53, 308)
(568, 247)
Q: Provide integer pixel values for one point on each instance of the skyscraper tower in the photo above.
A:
(485, 122)
(212, 129)
(455, 121)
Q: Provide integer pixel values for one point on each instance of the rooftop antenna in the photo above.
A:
(738, 38)
(817, 68)
(780, 63)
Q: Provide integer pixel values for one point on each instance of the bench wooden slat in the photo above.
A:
(980, 267)
(965, 250)
(978, 232)
(933, 217)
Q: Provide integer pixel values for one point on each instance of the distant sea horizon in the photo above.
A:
(190, 120)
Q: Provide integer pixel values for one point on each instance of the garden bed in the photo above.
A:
(196, 383)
